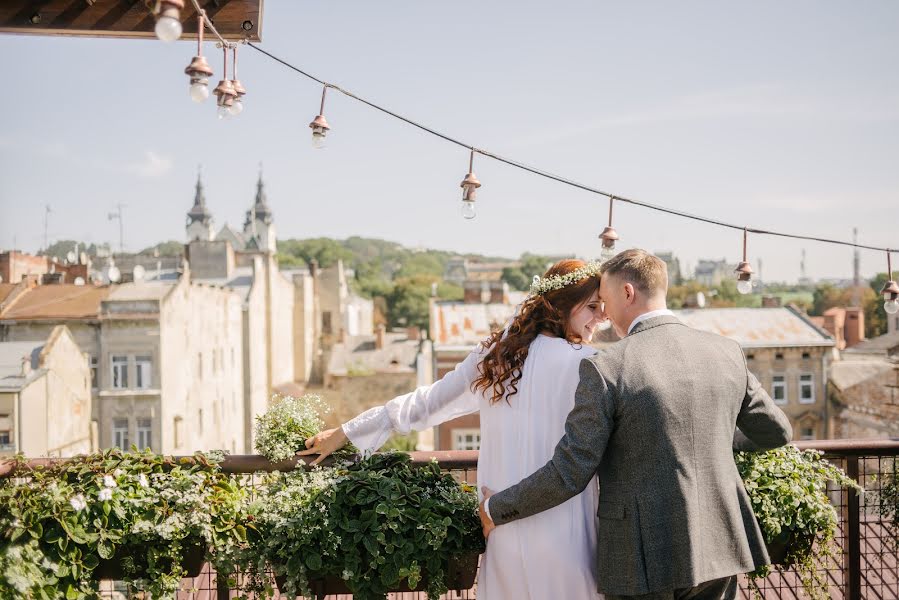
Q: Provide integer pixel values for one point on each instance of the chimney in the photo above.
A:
(413, 333)
(771, 302)
(854, 328)
(380, 336)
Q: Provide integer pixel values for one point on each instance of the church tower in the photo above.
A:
(259, 227)
(199, 219)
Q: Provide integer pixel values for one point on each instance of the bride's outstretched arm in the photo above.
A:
(427, 406)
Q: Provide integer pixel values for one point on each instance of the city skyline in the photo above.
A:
(678, 106)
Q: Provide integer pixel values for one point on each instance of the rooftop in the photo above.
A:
(461, 324)
(884, 345)
(757, 327)
(58, 301)
(11, 357)
(399, 354)
(144, 290)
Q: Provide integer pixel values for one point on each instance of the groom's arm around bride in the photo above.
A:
(655, 416)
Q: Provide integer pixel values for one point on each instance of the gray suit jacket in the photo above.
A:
(655, 416)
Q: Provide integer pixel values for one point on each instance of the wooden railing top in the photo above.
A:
(462, 459)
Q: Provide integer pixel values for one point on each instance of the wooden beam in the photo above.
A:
(234, 19)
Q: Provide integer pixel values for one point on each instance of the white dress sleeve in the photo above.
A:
(426, 407)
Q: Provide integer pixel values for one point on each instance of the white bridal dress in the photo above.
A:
(548, 555)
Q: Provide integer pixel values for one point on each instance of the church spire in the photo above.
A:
(199, 212)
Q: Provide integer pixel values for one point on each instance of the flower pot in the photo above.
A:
(777, 549)
(192, 560)
(460, 575)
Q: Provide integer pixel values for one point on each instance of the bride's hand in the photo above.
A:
(324, 443)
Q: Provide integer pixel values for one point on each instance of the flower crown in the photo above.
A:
(541, 285)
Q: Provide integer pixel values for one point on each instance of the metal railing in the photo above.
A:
(868, 568)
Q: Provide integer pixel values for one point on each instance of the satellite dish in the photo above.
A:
(139, 272)
(71, 256)
(113, 274)
(79, 281)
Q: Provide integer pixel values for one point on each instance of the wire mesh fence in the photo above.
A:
(866, 567)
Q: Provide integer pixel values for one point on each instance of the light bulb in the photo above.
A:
(199, 91)
(468, 210)
(607, 252)
(318, 140)
(744, 286)
(891, 306)
(224, 112)
(168, 29)
(236, 107)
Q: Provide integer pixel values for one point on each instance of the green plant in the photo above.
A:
(373, 524)
(141, 509)
(288, 423)
(788, 490)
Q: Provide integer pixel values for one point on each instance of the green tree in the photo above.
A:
(169, 248)
(875, 315)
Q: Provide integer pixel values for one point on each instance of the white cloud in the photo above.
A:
(152, 165)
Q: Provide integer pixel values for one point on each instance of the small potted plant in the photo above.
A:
(134, 516)
(788, 490)
(366, 526)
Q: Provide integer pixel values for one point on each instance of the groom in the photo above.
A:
(656, 417)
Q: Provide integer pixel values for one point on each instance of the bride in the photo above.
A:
(522, 380)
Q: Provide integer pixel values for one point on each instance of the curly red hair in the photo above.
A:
(501, 368)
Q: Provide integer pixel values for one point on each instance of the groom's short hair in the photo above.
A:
(645, 271)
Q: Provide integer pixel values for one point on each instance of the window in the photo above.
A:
(466, 439)
(778, 356)
(120, 372)
(750, 357)
(95, 365)
(326, 321)
(5, 440)
(806, 389)
(808, 433)
(179, 431)
(144, 433)
(143, 365)
(806, 356)
(120, 437)
(779, 389)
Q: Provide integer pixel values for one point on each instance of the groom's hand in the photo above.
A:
(324, 443)
(487, 524)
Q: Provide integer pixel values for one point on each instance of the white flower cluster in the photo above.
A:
(284, 428)
(541, 285)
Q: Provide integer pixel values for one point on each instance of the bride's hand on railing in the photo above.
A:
(324, 443)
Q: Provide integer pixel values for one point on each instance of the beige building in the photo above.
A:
(45, 397)
(864, 390)
(789, 355)
(164, 358)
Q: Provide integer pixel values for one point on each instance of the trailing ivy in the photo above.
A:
(788, 489)
(139, 509)
(373, 524)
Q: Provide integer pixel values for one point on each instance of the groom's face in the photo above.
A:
(617, 296)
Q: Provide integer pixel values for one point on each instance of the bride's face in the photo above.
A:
(584, 319)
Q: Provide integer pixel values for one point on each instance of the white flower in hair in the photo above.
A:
(541, 285)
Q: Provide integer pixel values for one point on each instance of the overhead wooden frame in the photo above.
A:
(234, 19)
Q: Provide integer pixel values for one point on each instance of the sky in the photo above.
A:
(774, 115)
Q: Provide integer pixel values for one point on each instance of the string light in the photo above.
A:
(224, 91)
(890, 290)
(319, 124)
(608, 236)
(470, 185)
(198, 69)
(237, 106)
(744, 271)
(168, 19)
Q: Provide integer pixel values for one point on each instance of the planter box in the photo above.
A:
(193, 560)
(461, 574)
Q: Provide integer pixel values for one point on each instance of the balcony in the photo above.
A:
(869, 568)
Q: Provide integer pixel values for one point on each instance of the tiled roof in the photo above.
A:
(146, 290)
(5, 290)
(757, 327)
(58, 301)
(359, 352)
(847, 373)
(460, 324)
(884, 344)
